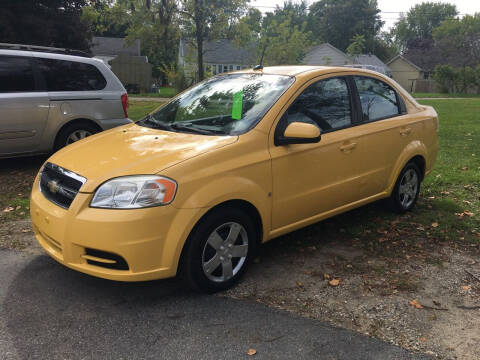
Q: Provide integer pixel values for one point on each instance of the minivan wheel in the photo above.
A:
(74, 132)
(406, 190)
(218, 250)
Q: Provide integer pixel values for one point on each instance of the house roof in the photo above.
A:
(224, 51)
(406, 60)
(326, 54)
(102, 45)
(371, 60)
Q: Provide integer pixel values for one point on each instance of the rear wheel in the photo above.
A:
(218, 250)
(74, 132)
(406, 190)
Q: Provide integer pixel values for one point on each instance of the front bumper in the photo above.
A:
(149, 240)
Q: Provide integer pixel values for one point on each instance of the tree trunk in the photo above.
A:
(201, 74)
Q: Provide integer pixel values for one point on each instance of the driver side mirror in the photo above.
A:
(299, 133)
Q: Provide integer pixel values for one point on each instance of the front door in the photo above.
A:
(310, 179)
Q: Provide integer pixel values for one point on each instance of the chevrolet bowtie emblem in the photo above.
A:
(53, 186)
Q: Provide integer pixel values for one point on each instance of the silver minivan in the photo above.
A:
(49, 100)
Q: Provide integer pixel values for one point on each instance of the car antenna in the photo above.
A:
(258, 67)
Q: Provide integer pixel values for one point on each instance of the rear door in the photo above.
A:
(383, 132)
(24, 106)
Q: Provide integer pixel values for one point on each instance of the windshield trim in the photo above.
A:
(234, 133)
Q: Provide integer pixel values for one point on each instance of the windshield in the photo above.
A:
(226, 105)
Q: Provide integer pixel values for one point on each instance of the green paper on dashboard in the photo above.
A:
(237, 105)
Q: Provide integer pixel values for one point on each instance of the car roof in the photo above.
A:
(49, 55)
(308, 70)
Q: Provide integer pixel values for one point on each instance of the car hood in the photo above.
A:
(131, 150)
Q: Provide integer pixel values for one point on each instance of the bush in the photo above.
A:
(461, 80)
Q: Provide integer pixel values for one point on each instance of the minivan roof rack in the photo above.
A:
(46, 49)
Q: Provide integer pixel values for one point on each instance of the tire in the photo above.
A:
(406, 190)
(209, 264)
(74, 132)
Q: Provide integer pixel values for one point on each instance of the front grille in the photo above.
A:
(59, 185)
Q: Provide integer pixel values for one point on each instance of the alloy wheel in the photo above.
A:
(225, 252)
(407, 191)
(77, 135)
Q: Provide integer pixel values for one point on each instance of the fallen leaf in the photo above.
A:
(334, 282)
(25, 231)
(466, 287)
(468, 213)
(465, 168)
(421, 228)
(326, 276)
(299, 284)
(445, 192)
(308, 272)
(251, 352)
(18, 208)
(435, 224)
(8, 209)
(422, 339)
(467, 202)
(416, 304)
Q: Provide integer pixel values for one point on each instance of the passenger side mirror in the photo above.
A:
(299, 133)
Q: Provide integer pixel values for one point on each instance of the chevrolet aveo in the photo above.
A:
(236, 160)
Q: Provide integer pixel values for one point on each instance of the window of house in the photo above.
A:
(16, 74)
(225, 68)
(220, 67)
(238, 67)
(230, 67)
(325, 103)
(62, 75)
(378, 99)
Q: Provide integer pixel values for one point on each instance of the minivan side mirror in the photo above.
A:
(299, 133)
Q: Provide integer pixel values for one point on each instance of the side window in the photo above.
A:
(62, 75)
(325, 103)
(379, 100)
(16, 74)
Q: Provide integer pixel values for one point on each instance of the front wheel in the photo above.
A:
(218, 250)
(406, 190)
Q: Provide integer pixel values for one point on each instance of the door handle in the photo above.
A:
(348, 147)
(406, 131)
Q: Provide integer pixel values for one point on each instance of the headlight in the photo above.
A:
(132, 192)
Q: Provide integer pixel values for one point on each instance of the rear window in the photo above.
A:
(16, 74)
(63, 75)
(378, 99)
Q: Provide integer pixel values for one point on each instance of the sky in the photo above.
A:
(390, 8)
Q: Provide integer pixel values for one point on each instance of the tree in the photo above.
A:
(155, 23)
(45, 22)
(357, 45)
(420, 21)
(338, 21)
(107, 18)
(458, 40)
(204, 20)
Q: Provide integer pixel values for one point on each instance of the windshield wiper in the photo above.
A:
(188, 127)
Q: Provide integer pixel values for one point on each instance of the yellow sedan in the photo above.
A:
(234, 161)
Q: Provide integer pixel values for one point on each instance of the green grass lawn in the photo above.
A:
(443, 95)
(138, 109)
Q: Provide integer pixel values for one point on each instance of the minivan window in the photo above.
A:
(378, 99)
(63, 75)
(226, 104)
(16, 74)
(325, 103)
